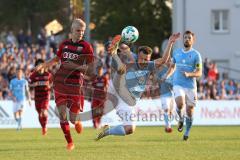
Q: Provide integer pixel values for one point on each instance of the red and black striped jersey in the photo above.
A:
(41, 84)
(99, 87)
(68, 79)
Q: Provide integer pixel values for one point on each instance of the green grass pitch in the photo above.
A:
(147, 143)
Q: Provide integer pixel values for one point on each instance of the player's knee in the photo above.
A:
(62, 116)
(189, 111)
(43, 113)
(180, 104)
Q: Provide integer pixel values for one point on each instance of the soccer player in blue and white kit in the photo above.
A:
(19, 88)
(164, 76)
(132, 79)
(188, 66)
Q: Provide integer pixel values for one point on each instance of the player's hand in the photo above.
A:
(174, 37)
(186, 74)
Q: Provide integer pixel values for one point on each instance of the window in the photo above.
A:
(220, 21)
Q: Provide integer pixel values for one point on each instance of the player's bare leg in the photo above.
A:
(189, 120)
(180, 105)
(77, 123)
(65, 126)
(168, 128)
(18, 118)
(119, 130)
(43, 115)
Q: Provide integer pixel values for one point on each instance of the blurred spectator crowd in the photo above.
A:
(22, 50)
(215, 85)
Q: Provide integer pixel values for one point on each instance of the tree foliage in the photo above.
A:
(151, 17)
(16, 14)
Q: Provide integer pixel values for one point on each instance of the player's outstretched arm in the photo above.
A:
(167, 51)
(170, 71)
(47, 64)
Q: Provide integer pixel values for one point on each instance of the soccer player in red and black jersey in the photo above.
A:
(41, 81)
(100, 85)
(76, 58)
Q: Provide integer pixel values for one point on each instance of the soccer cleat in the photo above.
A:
(44, 131)
(70, 146)
(185, 138)
(78, 127)
(103, 133)
(180, 126)
(114, 44)
(168, 129)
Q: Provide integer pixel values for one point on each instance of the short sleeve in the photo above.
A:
(198, 61)
(59, 52)
(89, 53)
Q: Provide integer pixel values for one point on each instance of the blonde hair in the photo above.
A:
(78, 22)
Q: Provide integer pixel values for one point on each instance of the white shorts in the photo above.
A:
(126, 113)
(189, 95)
(18, 106)
(167, 102)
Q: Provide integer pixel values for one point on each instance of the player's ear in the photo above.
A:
(194, 38)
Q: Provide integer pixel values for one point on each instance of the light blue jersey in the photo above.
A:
(166, 86)
(18, 88)
(136, 78)
(186, 62)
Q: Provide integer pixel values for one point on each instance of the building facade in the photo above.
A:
(216, 24)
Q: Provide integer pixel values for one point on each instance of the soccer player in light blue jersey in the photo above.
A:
(129, 83)
(19, 91)
(188, 66)
(164, 76)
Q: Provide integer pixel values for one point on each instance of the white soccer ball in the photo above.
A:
(130, 34)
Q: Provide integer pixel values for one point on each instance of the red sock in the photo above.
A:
(40, 120)
(44, 121)
(96, 122)
(66, 130)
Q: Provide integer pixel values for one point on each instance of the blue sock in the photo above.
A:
(17, 119)
(166, 119)
(117, 130)
(189, 121)
(20, 122)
